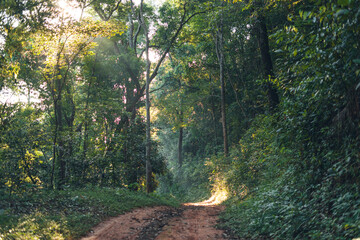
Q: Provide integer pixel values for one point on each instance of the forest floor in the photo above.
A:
(190, 221)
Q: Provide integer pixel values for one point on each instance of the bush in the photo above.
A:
(284, 190)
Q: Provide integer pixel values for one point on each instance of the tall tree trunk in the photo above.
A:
(181, 129)
(69, 142)
(180, 157)
(180, 143)
(148, 136)
(220, 55)
(147, 94)
(86, 136)
(263, 41)
(131, 27)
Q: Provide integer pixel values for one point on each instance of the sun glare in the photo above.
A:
(69, 8)
(153, 2)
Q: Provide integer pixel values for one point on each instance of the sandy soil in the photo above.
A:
(192, 221)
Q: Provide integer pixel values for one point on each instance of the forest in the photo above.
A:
(144, 102)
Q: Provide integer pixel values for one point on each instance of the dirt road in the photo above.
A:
(196, 222)
(192, 221)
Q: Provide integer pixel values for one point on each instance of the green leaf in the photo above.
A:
(323, 9)
(295, 52)
(305, 15)
(356, 61)
(341, 12)
(344, 3)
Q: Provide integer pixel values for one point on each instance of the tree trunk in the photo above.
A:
(263, 40)
(220, 55)
(86, 137)
(180, 144)
(148, 136)
(59, 144)
(69, 142)
(147, 94)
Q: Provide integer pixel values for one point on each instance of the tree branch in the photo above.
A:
(102, 14)
(182, 24)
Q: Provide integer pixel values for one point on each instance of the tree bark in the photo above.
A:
(180, 144)
(131, 28)
(220, 55)
(263, 41)
(147, 95)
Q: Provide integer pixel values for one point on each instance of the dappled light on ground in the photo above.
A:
(198, 220)
(216, 199)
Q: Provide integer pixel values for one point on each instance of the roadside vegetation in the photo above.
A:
(67, 214)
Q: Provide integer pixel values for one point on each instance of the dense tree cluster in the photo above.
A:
(86, 127)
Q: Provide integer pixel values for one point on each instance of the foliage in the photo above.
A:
(87, 127)
(21, 149)
(19, 19)
(282, 197)
(292, 171)
(67, 214)
(298, 166)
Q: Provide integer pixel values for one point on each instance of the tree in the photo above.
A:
(63, 47)
(220, 56)
(263, 40)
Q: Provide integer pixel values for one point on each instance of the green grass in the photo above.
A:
(67, 214)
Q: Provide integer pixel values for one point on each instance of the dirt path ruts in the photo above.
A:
(192, 221)
(127, 226)
(196, 222)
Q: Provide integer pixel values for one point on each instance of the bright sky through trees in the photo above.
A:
(69, 8)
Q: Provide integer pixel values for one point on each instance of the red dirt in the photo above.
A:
(196, 222)
(126, 226)
(192, 221)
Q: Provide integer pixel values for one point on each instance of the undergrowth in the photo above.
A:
(67, 214)
(286, 186)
